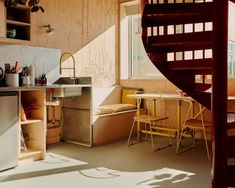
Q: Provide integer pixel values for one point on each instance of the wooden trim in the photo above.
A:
(2, 20)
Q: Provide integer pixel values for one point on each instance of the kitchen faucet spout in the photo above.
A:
(73, 59)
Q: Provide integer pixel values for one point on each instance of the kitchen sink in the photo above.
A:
(66, 80)
(67, 87)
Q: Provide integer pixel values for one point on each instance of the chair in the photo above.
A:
(153, 124)
(194, 122)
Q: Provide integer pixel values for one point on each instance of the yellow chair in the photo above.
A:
(153, 124)
(194, 122)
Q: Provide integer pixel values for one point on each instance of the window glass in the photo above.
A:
(140, 63)
(135, 62)
(231, 58)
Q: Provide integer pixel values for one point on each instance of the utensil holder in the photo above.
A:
(12, 80)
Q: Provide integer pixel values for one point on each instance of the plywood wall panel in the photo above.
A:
(2, 18)
(87, 29)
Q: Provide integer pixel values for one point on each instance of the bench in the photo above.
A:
(113, 113)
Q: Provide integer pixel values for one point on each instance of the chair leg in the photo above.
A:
(151, 134)
(132, 128)
(179, 141)
(169, 137)
(207, 149)
(146, 134)
(180, 138)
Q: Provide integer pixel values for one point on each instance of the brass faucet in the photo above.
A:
(68, 53)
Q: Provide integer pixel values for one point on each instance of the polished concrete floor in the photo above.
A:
(113, 165)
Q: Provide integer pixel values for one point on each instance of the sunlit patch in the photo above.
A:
(142, 179)
(104, 177)
(51, 162)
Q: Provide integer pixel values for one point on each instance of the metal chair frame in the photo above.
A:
(153, 124)
(193, 123)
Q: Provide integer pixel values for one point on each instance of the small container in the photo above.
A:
(43, 80)
(11, 33)
(26, 81)
(12, 80)
(32, 75)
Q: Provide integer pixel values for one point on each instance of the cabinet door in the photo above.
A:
(2, 20)
(9, 131)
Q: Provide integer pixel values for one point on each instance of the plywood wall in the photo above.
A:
(87, 29)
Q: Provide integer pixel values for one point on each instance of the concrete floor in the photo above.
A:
(113, 165)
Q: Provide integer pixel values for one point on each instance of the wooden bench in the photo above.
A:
(113, 113)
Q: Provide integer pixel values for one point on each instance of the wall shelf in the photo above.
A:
(13, 22)
(32, 154)
(5, 40)
(31, 121)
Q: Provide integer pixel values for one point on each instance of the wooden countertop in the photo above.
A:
(21, 88)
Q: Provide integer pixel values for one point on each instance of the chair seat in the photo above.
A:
(153, 124)
(145, 118)
(197, 124)
(191, 125)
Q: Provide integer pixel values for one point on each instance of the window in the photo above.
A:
(135, 62)
(231, 58)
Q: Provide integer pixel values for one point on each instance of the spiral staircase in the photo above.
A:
(184, 41)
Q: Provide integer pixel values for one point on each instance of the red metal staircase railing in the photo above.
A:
(165, 35)
(187, 42)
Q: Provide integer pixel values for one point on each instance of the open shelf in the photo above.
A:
(18, 19)
(33, 140)
(13, 22)
(30, 121)
(32, 153)
(4, 40)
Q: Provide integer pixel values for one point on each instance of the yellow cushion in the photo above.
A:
(127, 100)
(112, 108)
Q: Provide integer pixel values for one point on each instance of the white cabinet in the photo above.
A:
(9, 130)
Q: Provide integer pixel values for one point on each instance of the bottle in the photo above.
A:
(32, 75)
(43, 80)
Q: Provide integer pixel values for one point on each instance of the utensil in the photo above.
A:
(16, 66)
(1, 73)
(7, 68)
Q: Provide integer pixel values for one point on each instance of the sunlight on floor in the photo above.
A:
(50, 163)
(91, 177)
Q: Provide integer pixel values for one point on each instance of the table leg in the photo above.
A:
(179, 104)
(138, 122)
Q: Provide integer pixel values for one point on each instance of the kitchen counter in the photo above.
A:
(44, 87)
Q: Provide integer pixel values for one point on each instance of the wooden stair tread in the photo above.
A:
(172, 19)
(178, 47)
(230, 177)
(179, 8)
(230, 147)
(195, 64)
(231, 125)
(202, 87)
(180, 39)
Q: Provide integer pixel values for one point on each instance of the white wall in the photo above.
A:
(45, 60)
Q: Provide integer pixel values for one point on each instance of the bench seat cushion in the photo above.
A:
(113, 108)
